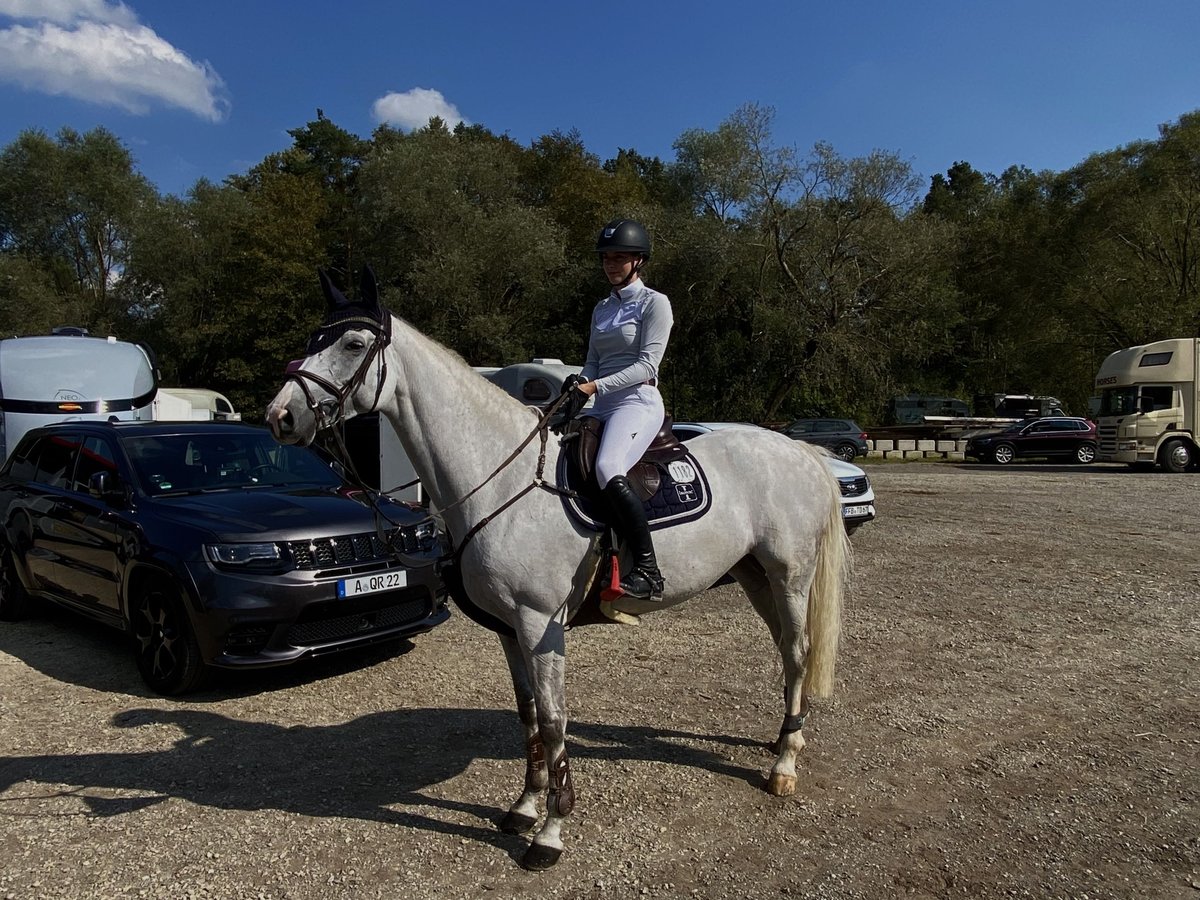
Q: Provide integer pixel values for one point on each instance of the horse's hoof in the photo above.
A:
(539, 858)
(517, 823)
(781, 785)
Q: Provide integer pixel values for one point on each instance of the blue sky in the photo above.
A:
(207, 89)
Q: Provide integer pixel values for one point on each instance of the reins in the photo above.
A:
(330, 411)
(542, 430)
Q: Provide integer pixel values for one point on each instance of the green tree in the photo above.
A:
(68, 207)
(830, 262)
(467, 258)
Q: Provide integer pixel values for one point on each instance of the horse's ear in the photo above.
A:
(335, 297)
(368, 291)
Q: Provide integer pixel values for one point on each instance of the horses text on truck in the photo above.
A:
(68, 375)
(1149, 405)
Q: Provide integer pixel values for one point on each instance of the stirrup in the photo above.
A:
(642, 584)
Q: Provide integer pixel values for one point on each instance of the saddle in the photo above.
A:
(583, 434)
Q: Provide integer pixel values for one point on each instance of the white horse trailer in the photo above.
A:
(69, 376)
(194, 404)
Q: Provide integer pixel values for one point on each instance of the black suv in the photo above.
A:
(841, 436)
(211, 545)
(1052, 437)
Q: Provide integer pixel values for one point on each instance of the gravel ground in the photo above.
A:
(1016, 716)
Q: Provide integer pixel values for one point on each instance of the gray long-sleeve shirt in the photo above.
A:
(629, 335)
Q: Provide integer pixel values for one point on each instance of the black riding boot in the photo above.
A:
(644, 581)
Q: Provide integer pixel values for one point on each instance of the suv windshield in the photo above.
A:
(189, 462)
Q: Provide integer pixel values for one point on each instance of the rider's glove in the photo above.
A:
(571, 406)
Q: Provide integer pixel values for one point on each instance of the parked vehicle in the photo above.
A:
(1056, 437)
(536, 383)
(858, 497)
(194, 404)
(70, 376)
(1017, 406)
(841, 436)
(211, 545)
(913, 408)
(1149, 407)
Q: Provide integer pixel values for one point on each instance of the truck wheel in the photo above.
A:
(165, 646)
(1003, 453)
(1176, 456)
(1085, 453)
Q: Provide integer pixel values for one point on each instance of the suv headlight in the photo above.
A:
(248, 557)
(426, 534)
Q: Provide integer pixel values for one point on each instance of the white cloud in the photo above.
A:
(413, 109)
(97, 51)
(64, 12)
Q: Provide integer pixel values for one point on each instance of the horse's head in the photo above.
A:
(344, 371)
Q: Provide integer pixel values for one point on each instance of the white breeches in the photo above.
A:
(632, 417)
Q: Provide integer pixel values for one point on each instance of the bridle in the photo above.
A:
(332, 409)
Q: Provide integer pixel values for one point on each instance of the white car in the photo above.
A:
(858, 499)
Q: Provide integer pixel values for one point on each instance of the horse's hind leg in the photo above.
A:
(790, 591)
(522, 816)
(781, 598)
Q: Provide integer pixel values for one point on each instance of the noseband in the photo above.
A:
(333, 408)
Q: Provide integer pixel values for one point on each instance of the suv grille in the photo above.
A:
(336, 620)
(321, 553)
(853, 487)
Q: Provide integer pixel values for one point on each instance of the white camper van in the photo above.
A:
(68, 375)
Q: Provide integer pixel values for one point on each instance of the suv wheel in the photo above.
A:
(168, 655)
(845, 452)
(1003, 453)
(1085, 453)
(14, 601)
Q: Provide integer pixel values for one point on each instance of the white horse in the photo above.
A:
(775, 526)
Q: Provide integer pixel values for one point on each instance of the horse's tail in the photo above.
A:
(825, 597)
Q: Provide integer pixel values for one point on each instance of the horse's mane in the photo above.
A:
(456, 366)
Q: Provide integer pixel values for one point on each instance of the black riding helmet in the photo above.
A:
(624, 236)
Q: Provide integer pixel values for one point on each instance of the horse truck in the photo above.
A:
(68, 375)
(1149, 406)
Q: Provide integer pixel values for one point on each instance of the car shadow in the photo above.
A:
(100, 658)
(1023, 466)
(379, 767)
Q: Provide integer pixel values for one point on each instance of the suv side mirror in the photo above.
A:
(107, 487)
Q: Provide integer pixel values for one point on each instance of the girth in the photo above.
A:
(583, 435)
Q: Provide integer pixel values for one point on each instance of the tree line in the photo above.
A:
(802, 283)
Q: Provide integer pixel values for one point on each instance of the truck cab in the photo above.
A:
(1148, 405)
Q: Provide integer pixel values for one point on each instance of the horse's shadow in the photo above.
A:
(375, 767)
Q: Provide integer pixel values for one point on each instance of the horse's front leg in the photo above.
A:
(547, 665)
(522, 816)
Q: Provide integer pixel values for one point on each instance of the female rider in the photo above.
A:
(628, 338)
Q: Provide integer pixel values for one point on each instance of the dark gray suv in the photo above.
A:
(211, 545)
(842, 437)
